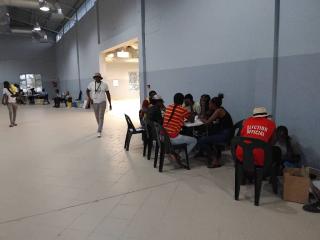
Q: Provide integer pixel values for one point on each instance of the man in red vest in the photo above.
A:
(261, 127)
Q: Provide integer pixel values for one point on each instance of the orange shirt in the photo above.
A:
(174, 126)
(258, 128)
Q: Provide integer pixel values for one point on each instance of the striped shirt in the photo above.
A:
(174, 126)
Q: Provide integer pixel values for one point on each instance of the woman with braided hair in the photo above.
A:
(173, 122)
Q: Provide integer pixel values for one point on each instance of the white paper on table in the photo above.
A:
(197, 122)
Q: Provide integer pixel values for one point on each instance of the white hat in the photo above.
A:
(156, 97)
(97, 75)
(260, 112)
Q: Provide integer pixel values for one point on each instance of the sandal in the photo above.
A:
(214, 164)
(11, 125)
(176, 159)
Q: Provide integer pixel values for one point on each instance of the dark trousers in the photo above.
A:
(208, 144)
(46, 99)
(57, 101)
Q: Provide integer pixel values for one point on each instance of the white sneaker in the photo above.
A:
(99, 135)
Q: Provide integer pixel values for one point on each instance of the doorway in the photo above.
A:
(120, 67)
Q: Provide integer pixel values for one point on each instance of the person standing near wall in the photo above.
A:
(9, 99)
(97, 92)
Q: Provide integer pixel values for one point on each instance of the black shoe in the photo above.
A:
(312, 207)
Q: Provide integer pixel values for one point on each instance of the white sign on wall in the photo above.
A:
(134, 81)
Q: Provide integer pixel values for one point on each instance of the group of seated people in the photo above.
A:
(65, 98)
(218, 128)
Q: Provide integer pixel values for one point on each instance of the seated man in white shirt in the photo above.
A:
(97, 92)
(191, 105)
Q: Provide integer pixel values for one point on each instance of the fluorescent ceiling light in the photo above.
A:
(37, 27)
(109, 57)
(44, 6)
(123, 54)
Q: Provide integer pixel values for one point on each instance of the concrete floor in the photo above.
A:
(58, 181)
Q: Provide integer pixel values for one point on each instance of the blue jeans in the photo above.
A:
(180, 139)
(221, 137)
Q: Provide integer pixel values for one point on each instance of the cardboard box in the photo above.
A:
(296, 185)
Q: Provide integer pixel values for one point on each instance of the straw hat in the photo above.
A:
(97, 75)
(260, 112)
(156, 97)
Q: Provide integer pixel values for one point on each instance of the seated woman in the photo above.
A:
(289, 149)
(145, 106)
(68, 99)
(57, 99)
(174, 118)
(154, 113)
(204, 105)
(223, 131)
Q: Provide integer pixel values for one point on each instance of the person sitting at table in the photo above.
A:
(31, 96)
(260, 126)
(145, 105)
(190, 105)
(289, 149)
(45, 96)
(154, 113)
(68, 99)
(223, 131)
(57, 99)
(174, 118)
(204, 105)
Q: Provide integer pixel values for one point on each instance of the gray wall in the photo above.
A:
(212, 46)
(118, 24)
(298, 95)
(21, 55)
(67, 66)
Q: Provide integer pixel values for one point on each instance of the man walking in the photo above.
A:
(97, 92)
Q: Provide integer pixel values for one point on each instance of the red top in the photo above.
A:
(258, 128)
(174, 126)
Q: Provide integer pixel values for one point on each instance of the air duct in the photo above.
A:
(32, 4)
(5, 28)
(38, 35)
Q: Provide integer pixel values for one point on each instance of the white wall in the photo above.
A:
(21, 55)
(120, 71)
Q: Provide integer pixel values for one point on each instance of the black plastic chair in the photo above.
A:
(163, 140)
(131, 131)
(151, 138)
(248, 165)
(225, 146)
